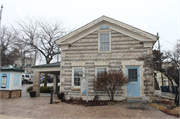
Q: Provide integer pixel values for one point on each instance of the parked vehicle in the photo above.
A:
(49, 79)
(27, 78)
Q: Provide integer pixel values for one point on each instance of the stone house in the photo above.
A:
(101, 45)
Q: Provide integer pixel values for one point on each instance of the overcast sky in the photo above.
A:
(162, 16)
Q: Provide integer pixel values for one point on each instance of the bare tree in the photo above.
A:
(39, 35)
(9, 53)
(25, 53)
(171, 70)
(110, 82)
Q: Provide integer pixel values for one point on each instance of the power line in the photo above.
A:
(166, 40)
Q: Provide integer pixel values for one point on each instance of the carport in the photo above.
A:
(52, 68)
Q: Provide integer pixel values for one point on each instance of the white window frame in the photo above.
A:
(101, 32)
(99, 67)
(73, 76)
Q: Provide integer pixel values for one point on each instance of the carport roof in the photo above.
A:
(56, 64)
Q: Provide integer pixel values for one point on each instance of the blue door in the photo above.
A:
(133, 87)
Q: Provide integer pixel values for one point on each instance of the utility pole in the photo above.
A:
(1, 15)
(160, 59)
(0, 25)
(58, 56)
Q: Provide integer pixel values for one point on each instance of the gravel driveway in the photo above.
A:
(39, 108)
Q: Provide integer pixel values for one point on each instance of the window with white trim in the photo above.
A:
(76, 76)
(104, 42)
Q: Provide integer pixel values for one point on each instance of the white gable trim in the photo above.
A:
(118, 26)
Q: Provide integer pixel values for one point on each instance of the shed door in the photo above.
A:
(133, 87)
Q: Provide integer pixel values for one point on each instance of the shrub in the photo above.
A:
(30, 88)
(45, 89)
(110, 82)
(42, 89)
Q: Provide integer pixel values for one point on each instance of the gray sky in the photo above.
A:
(153, 16)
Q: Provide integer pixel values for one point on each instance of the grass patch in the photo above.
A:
(163, 108)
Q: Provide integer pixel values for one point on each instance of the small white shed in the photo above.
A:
(10, 81)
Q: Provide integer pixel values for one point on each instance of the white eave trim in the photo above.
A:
(118, 23)
(60, 44)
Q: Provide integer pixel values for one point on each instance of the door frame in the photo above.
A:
(134, 63)
(138, 73)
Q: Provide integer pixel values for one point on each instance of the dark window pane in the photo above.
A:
(76, 81)
(132, 74)
(77, 76)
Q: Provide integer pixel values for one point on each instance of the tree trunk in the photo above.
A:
(45, 80)
(156, 83)
(112, 96)
(176, 97)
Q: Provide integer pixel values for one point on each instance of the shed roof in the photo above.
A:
(11, 68)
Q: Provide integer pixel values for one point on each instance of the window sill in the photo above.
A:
(104, 51)
(75, 89)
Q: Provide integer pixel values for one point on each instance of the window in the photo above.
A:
(27, 76)
(104, 27)
(100, 70)
(77, 76)
(104, 42)
(132, 74)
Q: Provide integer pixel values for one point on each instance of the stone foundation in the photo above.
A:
(5, 94)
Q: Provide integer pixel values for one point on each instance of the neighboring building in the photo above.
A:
(166, 82)
(101, 45)
(25, 64)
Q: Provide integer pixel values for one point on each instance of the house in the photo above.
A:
(101, 45)
(166, 81)
(25, 63)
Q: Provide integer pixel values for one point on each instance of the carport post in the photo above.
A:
(36, 83)
(55, 84)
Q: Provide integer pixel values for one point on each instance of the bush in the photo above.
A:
(42, 89)
(110, 82)
(30, 88)
(45, 89)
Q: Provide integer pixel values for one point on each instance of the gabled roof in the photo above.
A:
(56, 64)
(11, 68)
(113, 24)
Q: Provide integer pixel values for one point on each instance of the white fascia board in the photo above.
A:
(113, 24)
(80, 30)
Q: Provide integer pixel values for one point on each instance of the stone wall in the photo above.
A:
(5, 94)
(84, 53)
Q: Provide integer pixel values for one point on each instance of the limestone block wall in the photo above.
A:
(84, 53)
